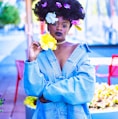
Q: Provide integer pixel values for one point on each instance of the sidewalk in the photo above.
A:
(7, 90)
(12, 47)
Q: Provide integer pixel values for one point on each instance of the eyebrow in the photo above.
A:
(65, 22)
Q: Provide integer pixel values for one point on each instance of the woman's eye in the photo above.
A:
(64, 25)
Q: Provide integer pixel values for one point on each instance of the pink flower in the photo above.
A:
(82, 10)
(75, 22)
(67, 6)
(44, 4)
(58, 4)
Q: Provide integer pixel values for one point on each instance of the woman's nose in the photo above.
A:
(59, 27)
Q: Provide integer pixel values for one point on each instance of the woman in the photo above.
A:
(62, 79)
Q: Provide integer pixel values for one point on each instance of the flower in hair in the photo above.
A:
(44, 4)
(67, 6)
(48, 42)
(58, 4)
(82, 10)
(51, 18)
(76, 23)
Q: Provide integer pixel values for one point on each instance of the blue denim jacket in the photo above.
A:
(69, 89)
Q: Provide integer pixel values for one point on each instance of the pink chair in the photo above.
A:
(20, 70)
(112, 70)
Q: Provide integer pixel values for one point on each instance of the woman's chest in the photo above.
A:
(64, 53)
(62, 57)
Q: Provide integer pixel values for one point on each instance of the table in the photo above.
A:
(100, 60)
(105, 67)
(108, 114)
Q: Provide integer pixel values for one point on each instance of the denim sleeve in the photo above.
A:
(77, 89)
(34, 81)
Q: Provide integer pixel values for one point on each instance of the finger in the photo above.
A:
(36, 43)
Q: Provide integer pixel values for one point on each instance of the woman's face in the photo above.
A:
(60, 29)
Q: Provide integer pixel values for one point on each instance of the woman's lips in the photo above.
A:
(58, 34)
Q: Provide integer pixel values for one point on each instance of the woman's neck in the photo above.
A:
(61, 42)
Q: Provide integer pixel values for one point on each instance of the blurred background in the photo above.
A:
(19, 26)
(100, 26)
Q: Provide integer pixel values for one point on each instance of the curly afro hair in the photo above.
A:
(74, 12)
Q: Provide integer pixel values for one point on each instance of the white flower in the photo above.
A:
(51, 18)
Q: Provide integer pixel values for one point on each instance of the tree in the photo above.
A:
(9, 14)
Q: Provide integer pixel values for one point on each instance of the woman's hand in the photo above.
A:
(43, 100)
(34, 50)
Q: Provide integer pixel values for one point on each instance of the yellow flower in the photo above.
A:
(77, 24)
(48, 42)
(78, 27)
(30, 101)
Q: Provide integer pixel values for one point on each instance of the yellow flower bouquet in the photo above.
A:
(105, 97)
(30, 101)
(48, 42)
(30, 106)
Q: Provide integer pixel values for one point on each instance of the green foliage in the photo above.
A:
(9, 14)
